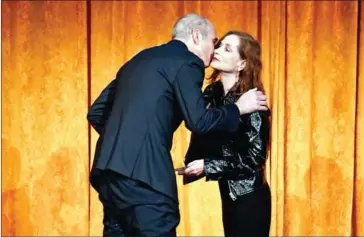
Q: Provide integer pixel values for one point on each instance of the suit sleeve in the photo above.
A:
(197, 117)
(101, 108)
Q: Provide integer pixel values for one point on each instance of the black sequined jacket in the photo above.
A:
(236, 160)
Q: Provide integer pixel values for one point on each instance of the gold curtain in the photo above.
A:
(58, 56)
(44, 135)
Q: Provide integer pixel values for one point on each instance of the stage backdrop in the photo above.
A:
(58, 55)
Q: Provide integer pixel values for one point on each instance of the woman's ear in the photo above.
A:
(241, 65)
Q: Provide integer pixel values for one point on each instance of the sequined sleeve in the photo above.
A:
(245, 153)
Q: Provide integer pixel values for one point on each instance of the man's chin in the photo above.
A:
(208, 64)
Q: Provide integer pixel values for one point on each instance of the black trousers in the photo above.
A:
(249, 215)
(134, 209)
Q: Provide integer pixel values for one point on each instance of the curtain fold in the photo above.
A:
(358, 192)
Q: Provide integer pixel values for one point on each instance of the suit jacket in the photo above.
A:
(138, 112)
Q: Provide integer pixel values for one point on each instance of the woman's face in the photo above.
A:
(226, 57)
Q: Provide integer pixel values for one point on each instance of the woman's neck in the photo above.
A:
(228, 80)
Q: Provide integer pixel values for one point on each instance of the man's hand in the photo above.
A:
(195, 168)
(252, 101)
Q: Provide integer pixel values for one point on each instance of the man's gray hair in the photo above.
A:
(183, 27)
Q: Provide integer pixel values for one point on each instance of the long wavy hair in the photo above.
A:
(249, 50)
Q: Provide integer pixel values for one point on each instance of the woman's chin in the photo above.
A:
(215, 65)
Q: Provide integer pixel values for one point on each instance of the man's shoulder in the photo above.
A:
(177, 53)
(169, 55)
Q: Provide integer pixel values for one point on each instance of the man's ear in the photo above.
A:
(196, 36)
(241, 65)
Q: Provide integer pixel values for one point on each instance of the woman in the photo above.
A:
(235, 160)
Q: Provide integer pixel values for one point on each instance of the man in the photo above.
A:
(136, 116)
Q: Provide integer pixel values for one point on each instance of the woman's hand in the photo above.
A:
(195, 168)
